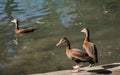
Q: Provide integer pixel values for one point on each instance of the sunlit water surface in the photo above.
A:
(36, 52)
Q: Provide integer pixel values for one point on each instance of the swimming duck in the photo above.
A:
(75, 54)
(22, 30)
(89, 47)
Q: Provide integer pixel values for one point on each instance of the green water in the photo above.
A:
(36, 52)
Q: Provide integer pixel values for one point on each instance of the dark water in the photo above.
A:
(36, 52)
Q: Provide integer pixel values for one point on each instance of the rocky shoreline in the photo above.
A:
(107, 69)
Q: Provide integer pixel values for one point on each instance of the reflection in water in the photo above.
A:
(16, 40)
(36, 52)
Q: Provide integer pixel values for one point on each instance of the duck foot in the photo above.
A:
(76, 71)
(75, 67)
(79, 70)
(90, 66)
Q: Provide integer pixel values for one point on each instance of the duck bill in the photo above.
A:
(82, 30)
(59, 43)
(12, 20)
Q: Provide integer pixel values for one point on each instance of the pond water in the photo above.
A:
(36, 52)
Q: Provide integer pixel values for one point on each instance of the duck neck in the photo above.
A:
(87, 36)
(16, 26)
(68, 45)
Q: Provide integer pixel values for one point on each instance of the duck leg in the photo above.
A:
(79, 70)
(90, 65)
(77, 66)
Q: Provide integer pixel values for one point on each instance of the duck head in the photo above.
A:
(62, 40)
(14, 20)
(84, 30)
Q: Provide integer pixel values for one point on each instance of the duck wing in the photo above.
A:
(79, 54)
(27, 30)
(91, 50)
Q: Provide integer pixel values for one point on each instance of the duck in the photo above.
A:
(22, 30)
(75, 54)
(90, 47)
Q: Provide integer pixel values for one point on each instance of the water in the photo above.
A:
(36, 52)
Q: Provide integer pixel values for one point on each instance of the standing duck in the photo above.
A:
(89, 46)
(75, 54)
(22, 30)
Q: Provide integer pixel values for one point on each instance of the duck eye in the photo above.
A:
(63, 40)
